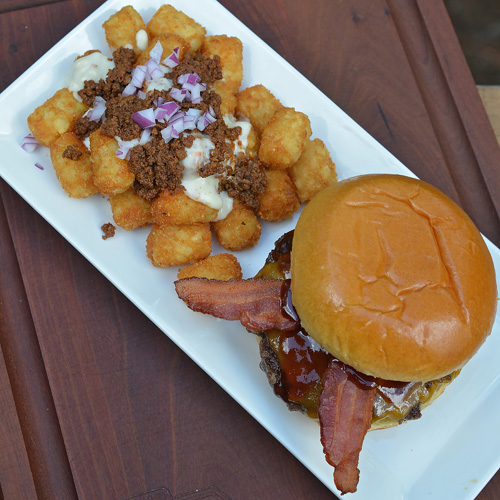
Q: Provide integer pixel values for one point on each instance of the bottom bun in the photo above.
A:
(434, 389)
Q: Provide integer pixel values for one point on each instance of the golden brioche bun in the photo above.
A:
(393, 278)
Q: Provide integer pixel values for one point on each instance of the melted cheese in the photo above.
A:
(204, 189)
(241, 143)
(94, 66)
(141, 39)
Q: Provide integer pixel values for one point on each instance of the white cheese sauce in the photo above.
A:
(241, 143)
(204, 189)
(159, 84)
(92, 67)
(141, 39)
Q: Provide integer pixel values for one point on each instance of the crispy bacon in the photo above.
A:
(256, 303)
(345, 412)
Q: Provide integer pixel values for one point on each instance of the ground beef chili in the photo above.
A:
(116, 80)
(119, 111)
(109, 230)
(157, 164)
(84, 127)
(246, 182)
(157, 167)
(71, 153)
(209, 70)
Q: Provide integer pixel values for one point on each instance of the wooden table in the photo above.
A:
(96, 402)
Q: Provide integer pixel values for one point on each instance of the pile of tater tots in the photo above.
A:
(163, 130)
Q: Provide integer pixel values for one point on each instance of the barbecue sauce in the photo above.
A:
(303, 361)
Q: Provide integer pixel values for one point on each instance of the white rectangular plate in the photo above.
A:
(450, 453)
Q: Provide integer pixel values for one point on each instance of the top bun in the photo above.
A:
(393, 278)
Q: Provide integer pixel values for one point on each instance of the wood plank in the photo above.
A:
(16, 480)
(27, 378)
(11, 5)
(490, 96)
(480, 149)
(446, 103)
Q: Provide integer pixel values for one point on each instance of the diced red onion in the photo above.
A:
(189, 122)
(173, 59)
(124, 147)
(95, 113)
(194, 112)
(170, 107)
(145, 136)
(138, 76)
(179, 94)
(169, 133)
(159, 101)
(122, 152)
(130, 89)
(178, 116)
(204, 120)
(160, 114)
(144, 118)
(153, 70)
(178, 126)
(156, 52)
(188, 79)
(141, 94)
(196, 94)
(29, 143)
(39, 166)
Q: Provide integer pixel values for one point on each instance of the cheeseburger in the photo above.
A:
(367, 310)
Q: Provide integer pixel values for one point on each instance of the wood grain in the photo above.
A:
(131, 416)
(490, 96)
(16, 480)
(11, 5)
(28, 380)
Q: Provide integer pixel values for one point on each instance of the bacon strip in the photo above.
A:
(256, 303)
(345, 412)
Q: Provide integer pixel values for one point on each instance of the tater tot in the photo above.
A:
(239, 230)
(169, 42)
(167, 19)
(284, 138)
(122, 27)
(55, 116)
(230, 51)
(222, 267)
(178, 245)
(111, 174)
(279, 200)
(258, 105)
(130, 210)
(180, 209)
(313, 171)
(75, 175)
(228, 100)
